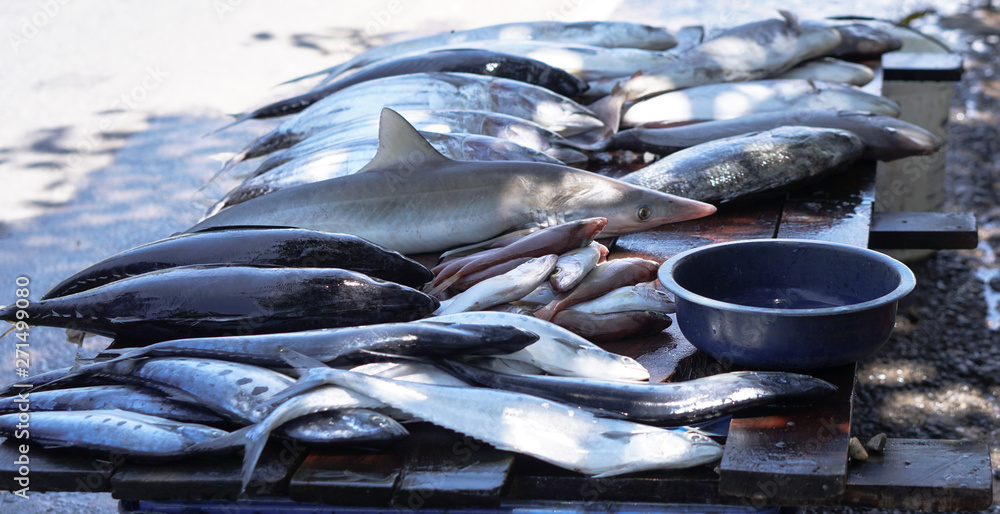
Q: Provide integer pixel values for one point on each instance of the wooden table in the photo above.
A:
(795, 456)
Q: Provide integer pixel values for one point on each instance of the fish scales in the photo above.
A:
(754, 164)
(122, 432)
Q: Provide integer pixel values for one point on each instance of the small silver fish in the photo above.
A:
(638, 297)
(558, 351)
(830, 69)
(573, 265)
(503, 288)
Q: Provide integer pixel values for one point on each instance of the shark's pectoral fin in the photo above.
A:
(400, 147)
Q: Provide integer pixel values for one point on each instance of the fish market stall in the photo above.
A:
(764, 456)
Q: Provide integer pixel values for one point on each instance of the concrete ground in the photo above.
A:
(107, 104)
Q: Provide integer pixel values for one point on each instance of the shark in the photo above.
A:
(411, 199)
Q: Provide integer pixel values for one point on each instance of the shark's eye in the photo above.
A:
(644, 213)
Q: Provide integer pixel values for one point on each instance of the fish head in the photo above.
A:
(657, 448)
(848, 97)
(629, 208)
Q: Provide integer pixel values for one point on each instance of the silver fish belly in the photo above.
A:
(734, 168)
(560, 434)
(704, 102)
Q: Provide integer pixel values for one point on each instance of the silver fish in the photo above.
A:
(420, 91)
(412, 199)
(418, 338)
(539, 297)
(605, 33)
(861, 39)
(663, 403)
(320, 399)
(558, 351)
(747, 52)
(560, 434)
(349, 157)
(503, 288)
(142, 400)
(736, 167)
(586, 62)
(345, 426)
(573, 265)
(886, 138)
(602, 279)
(830, 69)
(444, 121)
(731, 100)
(127, 433)
(232, 390)
(640, 297)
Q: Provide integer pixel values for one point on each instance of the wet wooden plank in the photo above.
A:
(445, 469)
(795, 455)
(923, 231)
(730, 223)
(927, 475)
(209, 478)
(667, 355)
(54, 470)
(343, 477)
(695, 485)
(837, 209)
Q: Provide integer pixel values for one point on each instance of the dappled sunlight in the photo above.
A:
(905, 408)
(896, 373)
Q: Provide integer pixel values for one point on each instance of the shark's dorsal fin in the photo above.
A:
(400, 146)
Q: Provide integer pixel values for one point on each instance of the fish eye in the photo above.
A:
(644, 212)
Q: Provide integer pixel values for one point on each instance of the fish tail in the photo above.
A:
(444, 284)
(7, 314)
(547, 313)
(240, 118)
(331, 72)
(254, 443)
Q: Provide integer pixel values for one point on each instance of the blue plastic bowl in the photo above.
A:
(786, 304)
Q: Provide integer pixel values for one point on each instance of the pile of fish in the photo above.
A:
(294, 309)
(509, 380)
(558, 274)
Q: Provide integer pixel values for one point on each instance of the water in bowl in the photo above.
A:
(777, 297)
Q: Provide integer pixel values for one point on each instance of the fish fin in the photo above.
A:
(617, 435)
(792, 20)
(231, 440)
(609, 108)
(76, 336)
(606, 474)
(400, 146)
(301, 362)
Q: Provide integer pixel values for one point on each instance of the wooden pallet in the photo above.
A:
(795, 456)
